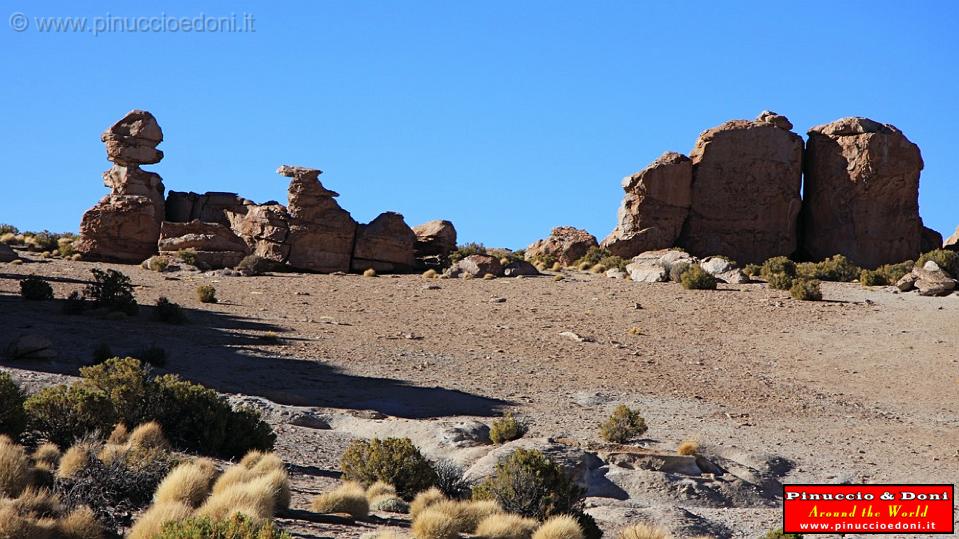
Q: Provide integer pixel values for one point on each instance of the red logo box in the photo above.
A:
(869, 509)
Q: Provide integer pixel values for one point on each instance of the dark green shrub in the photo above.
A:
(780, 281)
(12, 417)
(506, 429)
(947, 260)
(527, 483)
(451, 480)
(546, 260)
(510, 256)
(237, 526)
(806, 290)
(463, 251)
(74, 304)
(65, 248)
(778, 265)
(696, 278)
(614, 262)
(588, 524)
(677, 270)
(206, 294)
(872, 278)
(622, 425)
(187, 256)
(169, 312)
(35, 289)
(65, 413)
(753, 270)
(113, 291)
(392, 460)
(885, 275)
(837, 268)
(593, 256)
(778, 534)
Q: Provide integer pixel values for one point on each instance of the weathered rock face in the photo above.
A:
(930, 240)
(931, 280)
(210, 207)
(745, 192)
(125, 225)
(435, 241)
(952, 242)
(861, 193)
(476, 266)
(566, 244)
(384, 244)
(216, 246)
(321, 232)
(519, 268)
(265, 228)
(655, 207)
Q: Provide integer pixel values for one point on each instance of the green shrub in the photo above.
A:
(885, 275)
(206, 294)
(169, 312)
(622, 425)
(187, 256)
(35, 289)
(547, 260)
(837, 268)
(872, 278)
(43, 240)
(753, 270)
(237, 526)
(463, 251)
(588, 524)
(509, 255)
(780, 281)
(113, 291)
(157, 263)
(506, 429)
(395, 461)
(947, 260)
(12, 417)
(778, 534)
(65, 248)
(451, 480)
(696, 278)
(122, 390)
(777, 265)
(74, 304)
(806, 290)
(614, 262)
(527, 483)
(593, 256)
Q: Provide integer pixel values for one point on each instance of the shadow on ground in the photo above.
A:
(226, 353)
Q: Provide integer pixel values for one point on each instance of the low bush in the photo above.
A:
(614, 262)
(593, 256)
(463, 251)
(426, 499)
(560, 527)
(506, 526)
(236, 526)
(696, 278)
(885, 275)
(644, 531)
(13, 419)
(622, 425)
(187, 256)
(349, 498)
(806, 290)
(507, 429)
(676, 271)
(392, 460)
(527, 483)
(450, 479)
(837, 268)
(168, 312)
(687, 447)
(947, 260)
(65, 248)
(587, 525)
(752, 270)
(778, 265)
(433, 524)
(35, 289)
(113, 291)
(153, 355)
(206, 294)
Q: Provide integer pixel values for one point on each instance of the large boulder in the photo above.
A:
(565, 244)
(321, 232)
(476, 266)
(133, 139)
(435, 240)
(745, 192)
(655, 206)
(655, 266)
(931, 280)
(265, 228)
(7, 254)
(385, 244)
(861, 193)
(216, 246)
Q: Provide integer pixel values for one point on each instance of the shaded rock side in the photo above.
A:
(210, 207)
(655, 207)
(120, 229)
(216, 246)
(435, 240)
(861, 193)
(385, 244)
(745, 191)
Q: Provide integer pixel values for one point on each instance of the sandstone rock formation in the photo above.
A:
(210, 207)
(435, 240)
(566, 244)
(655, 207)
(215, 245)
(929, 240)
(321, 232)
(519, 268)
(952, 242)
(745, 191)
(385, 244)
(861, 193)
(476, 266)
(265, 228)
(125, 225)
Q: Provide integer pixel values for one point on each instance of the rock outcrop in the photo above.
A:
(210, 207)
(861, 193)
(385, 244)
(655, 207)
(476, 266)
(952, 242)
(265, 228)
(321, 232)
(565, 244)
(215, 245)
(125, 225)
(930, 240)
(435, 240)
(745, 191)
(930, 280)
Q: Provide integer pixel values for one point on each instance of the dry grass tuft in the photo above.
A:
(148, 436)
(430, 274)
(119, 435)
(275, 484)
(558, 278)
(506, 526)
(80, 524)
(48, 454)
(35, 503)
(635, 331)
(557, 266)
(349, 498)
(242, 498)
(389, 503)
(598, 268)
(380, 488)
(234, 475)
(370, 272)
(189, 483)
(488, 277)
(267, 463)
(12, 526)
(433, 524)
(111, 452)
(251, 458)
(559, 527)
(688, 447)
(425, 499)
(14, 469)
(151, 522)
(644, 531)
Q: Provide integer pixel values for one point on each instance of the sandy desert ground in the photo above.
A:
(860, 387)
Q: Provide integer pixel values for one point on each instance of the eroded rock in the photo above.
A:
(565, 244)
(384, 244)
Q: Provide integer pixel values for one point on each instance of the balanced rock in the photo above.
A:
(861, 193)
(384, 244)
(435, 240)
(476, 266)
(745, 191)
(321, 232)
(655, 207)
(566, 244)
(133, 139)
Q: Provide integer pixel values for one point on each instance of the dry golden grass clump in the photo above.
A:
(14, 469)
(379, 488)
(430, 274)
(349, 498)
(370, 272)
(433, 524)
(425, 499)
(81, 523)
(558, 278)
(688, 447)
(257, 487)
(38, 514)
(189, 483)
(506, 526)
(239, 498)
(119, 435)
(598, 268)
(148, 436)
(557, 266)
(48, 455)
(644, 531)
(151, 522)
(559, 527)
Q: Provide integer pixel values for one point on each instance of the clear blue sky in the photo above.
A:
(508, 118)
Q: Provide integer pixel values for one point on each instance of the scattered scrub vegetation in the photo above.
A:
(696, 278)
(187, 256)
(837, 268)
(35, 289)
(642, 530)
(13, 419)
(527, 483)
(168, 312)
(622, 425)
(806, 290)
(206, 294)
(237, 526)
(507, 429)
(947, 260)
(463, 251)
(752, 270)
(112, 291)
(451, 480)
(885, 275)
(395, 461)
